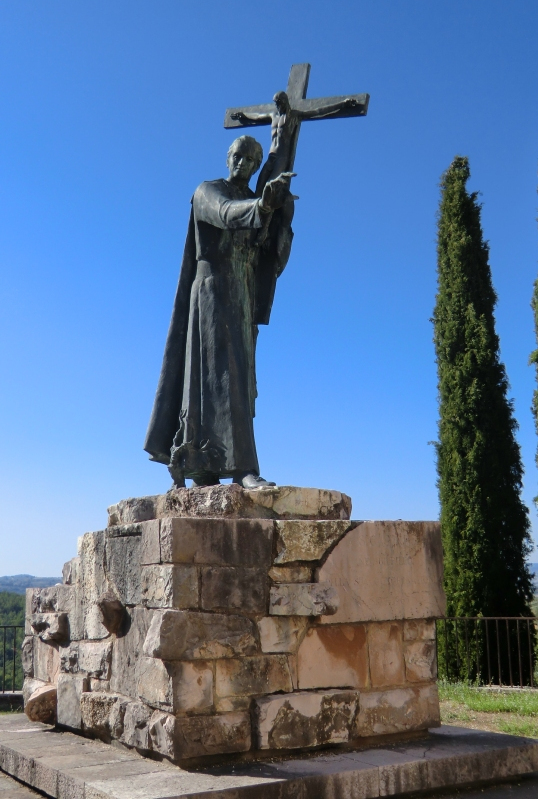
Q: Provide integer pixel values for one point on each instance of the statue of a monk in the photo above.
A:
(202, 421)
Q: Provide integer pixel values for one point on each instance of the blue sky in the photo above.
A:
(112, 115)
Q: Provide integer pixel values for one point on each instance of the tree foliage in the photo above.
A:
(484, 523)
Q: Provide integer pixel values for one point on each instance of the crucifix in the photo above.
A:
(285, 115)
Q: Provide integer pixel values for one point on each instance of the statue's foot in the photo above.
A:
(250, 480)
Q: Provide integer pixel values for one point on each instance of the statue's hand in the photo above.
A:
(239, 116)
(276, 192)
(351, 103)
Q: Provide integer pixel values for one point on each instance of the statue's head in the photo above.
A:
(244, 158)
(281, 100)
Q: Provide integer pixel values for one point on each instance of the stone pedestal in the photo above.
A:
(213, 621)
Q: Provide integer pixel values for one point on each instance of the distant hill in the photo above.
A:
(18, 583)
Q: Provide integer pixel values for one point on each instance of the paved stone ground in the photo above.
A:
(67, 766)
(523, 788)
(11, 789)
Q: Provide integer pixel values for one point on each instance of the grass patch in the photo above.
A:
(512, 712)
(522, 702)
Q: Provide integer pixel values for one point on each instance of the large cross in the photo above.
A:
(296, 91)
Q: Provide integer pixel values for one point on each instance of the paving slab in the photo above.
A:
(66, 766)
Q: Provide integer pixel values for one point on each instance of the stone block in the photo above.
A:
(176, 687)
(56, 599)
(419, 630)
(136, 725)
(102, 713)
(227, 588)
(185, 635)
(398, 710)
(170, 586)
(217, 542)
(252, 676)
(333, 657)
(27, 656)
(40, 701)
(51, 626)
(303, 720)
(184, 738)
(231, 704)
(46, 660)
(232, 501)
(70, 690)
(291, 574)
(386, 654)
(387, 570)
(303, 599)
(281, 633)
(93, 658)
(420, 661)
(307, 540)
(70, 571)
(150, 544)
(92, 583)
(129, 511)
(127, 650)
(122, 565)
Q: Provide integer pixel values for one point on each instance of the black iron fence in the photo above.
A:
(494, 650)
(11, 676)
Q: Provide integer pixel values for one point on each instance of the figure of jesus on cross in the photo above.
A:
(285, 116)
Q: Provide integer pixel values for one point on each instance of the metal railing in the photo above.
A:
(11, 677)
(488, 650)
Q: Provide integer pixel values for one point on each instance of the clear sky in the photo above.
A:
(111, 115)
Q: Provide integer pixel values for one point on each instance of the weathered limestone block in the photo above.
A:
(56, 599)
(136, 725)
(231, 704)
(387, 570)
(51, 626)
(281, 633)
(217, 542)
(420, 661)
(386, 654)
(252, 676)
(122, 567)
(150, 544)
(70, 571)
(183, 738)
(419, 630)
(398, 710)
(306, 719)
(27, 656)
(46, 660)
(176, 687)
(170, 586)
(70, 690)
(232, 501)
(184, 635)
(92, 583)
(228, 588)
(112, 611)
(291, 574)
(307, 540)
(333, 657)
(303, 599)
(40, 701)
(102, 713)
(91, 657)
(127, 650)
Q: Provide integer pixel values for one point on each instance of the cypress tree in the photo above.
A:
(484, 523)
(534, 359)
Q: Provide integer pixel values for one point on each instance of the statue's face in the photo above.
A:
(241, 163)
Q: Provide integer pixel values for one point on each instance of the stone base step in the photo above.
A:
(65, 766)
